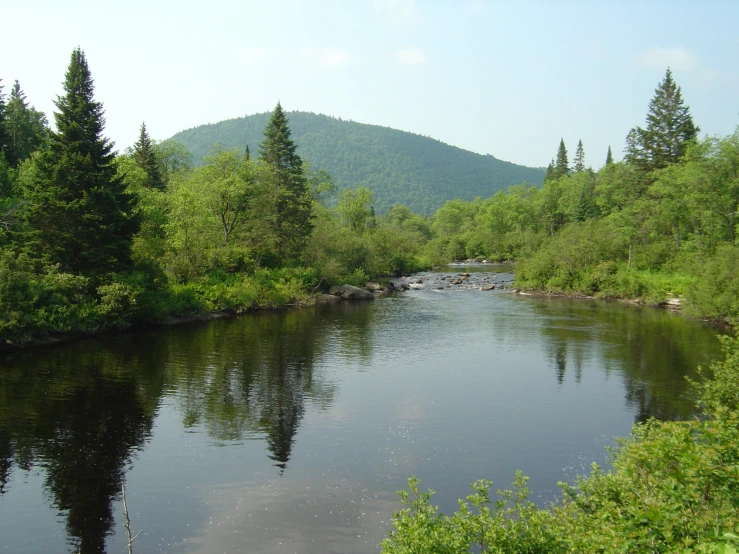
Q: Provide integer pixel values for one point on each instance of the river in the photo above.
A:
(291, 431)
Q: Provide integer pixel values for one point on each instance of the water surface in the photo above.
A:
(291, 431)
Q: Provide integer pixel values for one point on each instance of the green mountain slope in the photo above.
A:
(399, 167)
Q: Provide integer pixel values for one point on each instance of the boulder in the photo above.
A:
(350, 292)
(488, 287)
(372, 286)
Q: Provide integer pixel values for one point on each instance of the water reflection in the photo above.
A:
(82, 413)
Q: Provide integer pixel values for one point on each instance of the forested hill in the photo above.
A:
(399, 167)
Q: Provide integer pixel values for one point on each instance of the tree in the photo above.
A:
(292, 201)
(579, 161)
(609, 156)
(355, 208)
(79, 214)
(227, 184)
(26, 126)
(5, 151)
(562, 165)
(173, 158)
(670, 129)
(549, 175)
(146, 158)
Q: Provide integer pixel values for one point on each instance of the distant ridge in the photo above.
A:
(400, 167)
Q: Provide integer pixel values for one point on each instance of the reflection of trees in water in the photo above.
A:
(652, 350)
(255, 375)
(80, 413)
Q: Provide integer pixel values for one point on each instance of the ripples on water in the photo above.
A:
(291, 432)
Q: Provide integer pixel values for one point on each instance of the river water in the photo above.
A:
(291, 431)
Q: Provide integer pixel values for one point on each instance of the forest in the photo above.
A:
(399, 167)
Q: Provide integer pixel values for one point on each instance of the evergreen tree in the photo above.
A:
(550, 172)
(670, 129)
(78, 212)
(293, 221)
(579, 161)
(5, 150)
(247, 154)
(25, 125)
(562, 165)
(609, 156)
(146, 158)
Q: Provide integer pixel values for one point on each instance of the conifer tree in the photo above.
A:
(26, 126)
(5, 150)
(247, 154)
(146, 158)
(609, 156)
(550, 172)
(293, 221)
(79, 214)
(579, 161)
(562, 165)
(669, 130)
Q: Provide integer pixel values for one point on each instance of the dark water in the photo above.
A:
(291, 432)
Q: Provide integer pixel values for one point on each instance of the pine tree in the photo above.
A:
(25, 125)
(579, 161)
(609, 156)
(247, 154)
(146, 158)
(562, 165)
(78, 212)
(293, 221)
(670, 129)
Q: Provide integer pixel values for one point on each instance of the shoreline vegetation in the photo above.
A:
(92, 240)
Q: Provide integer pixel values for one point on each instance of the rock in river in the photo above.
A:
(350, 292)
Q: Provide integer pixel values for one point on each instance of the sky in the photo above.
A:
(507, 78)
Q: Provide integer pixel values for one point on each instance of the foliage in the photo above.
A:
(398, 167)
(78, 213)
(669, 132)
(146, 158)
(292, 222)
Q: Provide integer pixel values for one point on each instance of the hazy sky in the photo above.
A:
(503, 78)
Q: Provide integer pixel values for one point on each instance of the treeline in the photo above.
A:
(398, 167)
(661, 223)
(93, 240)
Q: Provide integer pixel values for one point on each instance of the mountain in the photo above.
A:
(400, 167)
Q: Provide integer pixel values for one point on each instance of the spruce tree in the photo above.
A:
(293, 221)
(146, 158)
(609, 156)
(670, 129)
(247, 154)
(579, 161)
(26, 126)
(79, 214)
(562, 165)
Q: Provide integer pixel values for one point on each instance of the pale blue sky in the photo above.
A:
(504, 78)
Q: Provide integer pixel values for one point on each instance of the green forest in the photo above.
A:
(398, 167)
(96, 240)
